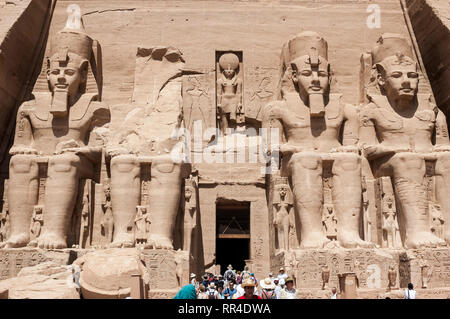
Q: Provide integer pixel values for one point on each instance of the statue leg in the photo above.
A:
(286, 231)
(125, 195)
(61, 190)
(306, 179)
(443, 190)
(165, 189)
(409, 184)
(22, 196)
(347, 194)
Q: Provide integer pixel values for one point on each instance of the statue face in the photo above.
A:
(229, 73)
(399, 78)
(67, 76)
(311, 79)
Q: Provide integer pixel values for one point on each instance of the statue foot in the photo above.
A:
(33, 243)
(159, 242)
(423, 240)
(314, 240)
(51, 241)
(354, 241)
(124, 240)
(16, 241)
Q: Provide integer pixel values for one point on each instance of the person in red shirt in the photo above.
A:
(249, 289)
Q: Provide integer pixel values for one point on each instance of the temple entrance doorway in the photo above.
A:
(232, 234)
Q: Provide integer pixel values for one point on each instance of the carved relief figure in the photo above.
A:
(37, 221)
(424, 272)
(190, 214)
(325, 277)
(229, 92)
(392, 277)
(312, 120)
(84, 223)
(366, 217)
(4, 222)
(283, 219)
(59, 126)
(391, 232)
(329, 222)
(406, 129)
(107, 223)
(437, 220)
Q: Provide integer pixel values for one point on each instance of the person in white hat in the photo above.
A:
(194, 280)
(288, 292)
(267, 289)
(282, 277)
(212, 292)
(249, 287)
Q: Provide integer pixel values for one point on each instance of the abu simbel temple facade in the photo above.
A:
(143, 141)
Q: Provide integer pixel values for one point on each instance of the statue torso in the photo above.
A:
(393, 129)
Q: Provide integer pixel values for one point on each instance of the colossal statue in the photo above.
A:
(403, 130)
(56, 128)
(312, 120)
(145, 157)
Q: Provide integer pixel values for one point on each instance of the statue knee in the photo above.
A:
(165, 165)
(347, 162)
(443, 164)
(310, 161)
(23, 164)
(63, 162)
(409, 160)
(124, 163)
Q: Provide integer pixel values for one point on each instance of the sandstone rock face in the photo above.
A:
(48, 280)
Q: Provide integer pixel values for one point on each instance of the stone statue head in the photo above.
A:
(396, 71)
(308, 61)
(188, 192)
(68, 65)
(229, 63)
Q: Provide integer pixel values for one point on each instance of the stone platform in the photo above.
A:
(370, 266)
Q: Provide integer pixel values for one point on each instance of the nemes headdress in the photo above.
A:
(391, 44)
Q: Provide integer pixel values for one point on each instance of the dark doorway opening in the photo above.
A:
(232, 234)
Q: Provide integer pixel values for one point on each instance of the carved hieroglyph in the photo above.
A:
(145, 151)
(312, 120)
(56, 129)
(405, 130)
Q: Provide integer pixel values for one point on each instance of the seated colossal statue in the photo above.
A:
(319, 131)
(56, 129)
(403, 133)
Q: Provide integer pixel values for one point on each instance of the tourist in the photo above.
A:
(271, 276)
(193, 280)
(277, 286)
(240, 290)
(282, 277)
(410, 293)
(205, 280)
(267, 289)
(220, 292)
(187, 292)
(212, 292)
(334, 293)
(220, 281)
(202, 292)
(249, 287)
(229, 274)
(230, 290)
(238, 278)
(288, 292)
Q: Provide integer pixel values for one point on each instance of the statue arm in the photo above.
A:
(351, 126)
(23, 137)
(441, 132)
(219, 92)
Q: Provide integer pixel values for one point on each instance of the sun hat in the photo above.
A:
(267, 284)
(248, 283)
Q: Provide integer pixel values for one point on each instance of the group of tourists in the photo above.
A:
(240, 285)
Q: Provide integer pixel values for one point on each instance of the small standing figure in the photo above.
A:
(190, 215)
(283, 220)
(392, 277)
(107, 220)
(437, 220)
(141, 225)
(229, 92)
(366, 216)
(84, 224)
(424, 272)
(36, 225)
(329, 222)
(4, 222)
(325, 277)
(391, 233)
